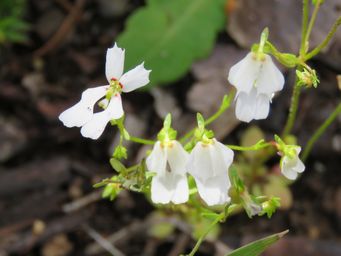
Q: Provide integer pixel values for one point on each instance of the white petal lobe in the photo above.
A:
(214, 191)
(245, 106)
(82, 112)
(95, 127)
(244, 74)
(270, 78)
(114, 63)
(262, 107)
(199, 163)
(135, 78)
(157, 160)
(177, 158)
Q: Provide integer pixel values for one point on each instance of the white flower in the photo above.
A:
(82, 114)
(209, 164)
(291, 166)
(256, 79)
(168, 160)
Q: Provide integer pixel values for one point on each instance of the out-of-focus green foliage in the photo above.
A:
(170, 35)
(12, 27)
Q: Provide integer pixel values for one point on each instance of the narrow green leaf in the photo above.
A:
(169, 35)
(257, 247)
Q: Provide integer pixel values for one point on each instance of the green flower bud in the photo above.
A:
(307, 77)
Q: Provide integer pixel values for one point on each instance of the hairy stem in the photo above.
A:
(311, 23)
(305, 18)
(325, 41)
(320, 131)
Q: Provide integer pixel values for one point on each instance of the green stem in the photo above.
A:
(311, 24)
(293, 109)
(211, 119)
(297, 89)
(305, 17)
(251, 148)
(220, 217)
(141, 141)
(325, 41)
(320, 131)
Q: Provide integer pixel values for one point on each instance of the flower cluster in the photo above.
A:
(208, 163)
(256, 79)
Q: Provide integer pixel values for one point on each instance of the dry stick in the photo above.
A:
(65, 4)
(180, 245)
(63, 30)
(135, 228)
(102, 241)
(82, 202)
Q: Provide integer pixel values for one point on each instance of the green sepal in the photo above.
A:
(167, 132)
(117, 165)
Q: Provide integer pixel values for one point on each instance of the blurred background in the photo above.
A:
(50, 51)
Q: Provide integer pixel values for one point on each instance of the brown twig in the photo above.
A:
(63, 31)
(104, 243)
(82, 202)
(180, 245)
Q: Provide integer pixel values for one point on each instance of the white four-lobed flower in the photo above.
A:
(82, 114)
(256, 80)
(209, 164)
(168, 160)
(292, 166)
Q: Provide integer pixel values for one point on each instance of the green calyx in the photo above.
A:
(200, 133)
(115, 88)
(285, 149)
(260, 55)
(167, 133)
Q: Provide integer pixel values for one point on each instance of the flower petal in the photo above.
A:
(199, 163)
(157, 160)
(177, 158)
(169, 188)
(287, 168)
(221, 158)
(135, 78)
(82, 112)
(214, 191)
(244, 74)
(114, 63)
(270, 78)
(299, 167)
(245, 106)
(181, 191)
(262, 107)
(161, 192)
(95, 127)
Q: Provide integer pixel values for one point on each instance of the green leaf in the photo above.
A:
(257, 247)
(169, 35)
